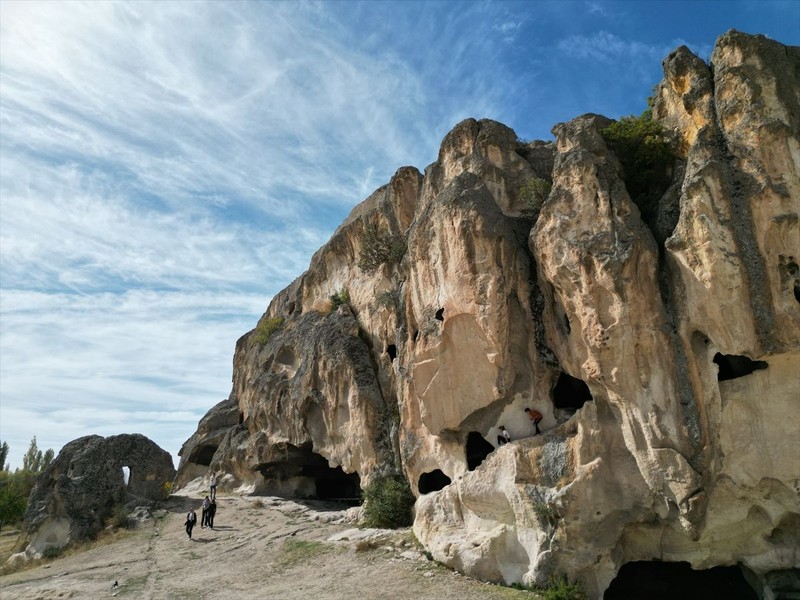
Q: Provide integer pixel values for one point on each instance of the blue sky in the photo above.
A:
(167, 167)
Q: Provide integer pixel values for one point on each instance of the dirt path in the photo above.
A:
(259, 548)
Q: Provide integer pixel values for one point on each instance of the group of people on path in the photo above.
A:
(535, 416)
(208, 510)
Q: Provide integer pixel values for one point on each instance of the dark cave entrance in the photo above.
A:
(669, 580)
(432, 481)
(477, 450)
(732, 366)
(391, 350)
(204, 455)
(570, 393)
(304, 466)
(439, 316)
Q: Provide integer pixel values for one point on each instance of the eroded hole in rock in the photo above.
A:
(732, 366)
(477, 450)
(391, 350)
(241, 418)
(570, 393)
(204, 455)
(291, 307)
(304, 473)
(432, 481)
(416, 334)
(439, 316)
(797, 291)
(286, 357)
(669, 580)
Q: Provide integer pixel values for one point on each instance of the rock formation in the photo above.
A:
(658, 333)
(81, 488)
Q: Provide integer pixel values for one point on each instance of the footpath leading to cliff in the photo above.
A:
(260, 548)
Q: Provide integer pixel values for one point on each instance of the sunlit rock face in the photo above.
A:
(663, 352)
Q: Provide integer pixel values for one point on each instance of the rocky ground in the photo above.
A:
(259, 548)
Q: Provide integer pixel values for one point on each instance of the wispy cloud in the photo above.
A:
(165, 168)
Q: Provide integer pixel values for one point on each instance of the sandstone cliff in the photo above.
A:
(660, 341)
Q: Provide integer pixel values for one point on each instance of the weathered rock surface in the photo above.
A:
(663, 352)
(73, 497)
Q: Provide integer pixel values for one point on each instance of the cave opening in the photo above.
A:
(304, 473)
(477, 450)
(332, 483)
(204, 455)
(733, 367)
(570, 393)
(241, 418)
(439, 315)
(391, 350)
(433, 481)
(656, 580)
(797, 291)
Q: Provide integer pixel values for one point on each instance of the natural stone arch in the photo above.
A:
(656, 580)
(432, 481)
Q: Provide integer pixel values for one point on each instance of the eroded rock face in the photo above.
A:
(663, 355)
(73, 497)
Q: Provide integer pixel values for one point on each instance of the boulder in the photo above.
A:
(72, 499)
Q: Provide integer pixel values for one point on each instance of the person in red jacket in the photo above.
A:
(536, 417)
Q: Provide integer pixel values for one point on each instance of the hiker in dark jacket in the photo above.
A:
(212, 510)
(191, 519)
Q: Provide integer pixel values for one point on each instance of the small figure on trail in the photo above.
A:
(191, 519)
(504, 436)
(204, 514)
(535, 417)
(212, 510)
(212, 484)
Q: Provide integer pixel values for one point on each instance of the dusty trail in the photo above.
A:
(259, 548)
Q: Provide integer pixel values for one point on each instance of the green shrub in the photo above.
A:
(120, 517)
(166, 490)
(265, 328)
(647, 158)
(339, 298)
(388, 503)
(378, 248)
(533, 193)
(53, 551)
(561, 589)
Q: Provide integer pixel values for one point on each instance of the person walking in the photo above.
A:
(212, 484)
(212, 510)
(191, 519)
(204, 513)
(504, 436)
(536, 418)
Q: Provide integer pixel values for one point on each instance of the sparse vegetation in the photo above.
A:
(388, 503)
(258, 503)
(339, 298)
(647, 158)
(378, 248)
(166, 490)
(52, 552)
(559, 588)
(265, 328)
(120, 518)
(533, 193)
(300, 551)
(387, 300)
